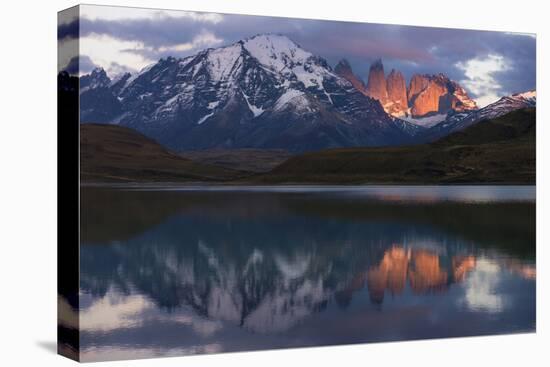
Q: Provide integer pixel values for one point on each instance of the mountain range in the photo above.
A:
(427, 95)
(499, 150)
(267, 92)
(459, 121)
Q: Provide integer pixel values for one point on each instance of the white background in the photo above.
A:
(28, 181)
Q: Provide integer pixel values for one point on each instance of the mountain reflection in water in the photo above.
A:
(185, 272)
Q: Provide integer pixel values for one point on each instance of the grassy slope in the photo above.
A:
(501, 150)
(496, 151)
(253, 160)
(117, 154)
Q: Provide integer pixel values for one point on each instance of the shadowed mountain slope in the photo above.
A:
(500, 150)
(111, 153)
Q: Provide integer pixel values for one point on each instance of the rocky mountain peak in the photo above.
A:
(528, 96)
(98, 72)
(343, 69)
(273, 50)
(376, 84)
(377, 65)
(417, 84)
(118, 82)
(261, 92)
(397, 93)
(425, 96)
(437, 94)
(96, 79)
(343, 65)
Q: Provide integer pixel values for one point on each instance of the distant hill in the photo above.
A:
(500, 150)
(252, 160)
(460, 121)
(515, 125)
(110, 153)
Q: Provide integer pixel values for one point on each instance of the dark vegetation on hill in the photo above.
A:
(252, 160)
(500, 151)
(110, 153)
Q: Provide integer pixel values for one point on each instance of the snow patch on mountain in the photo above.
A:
(204, 118)
(313, 77)
(291, 96)
(529, 95)
(213, 105)
(283, 56)
(224, 62)
(256, 111)
(132, 78)
(276, 52)
(425, 121)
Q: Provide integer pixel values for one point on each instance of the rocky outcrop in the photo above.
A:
(437, 94)
(343, 69)
(397, 93)
(417, 84)
(376, 84)
(466, 103)
(426, 95)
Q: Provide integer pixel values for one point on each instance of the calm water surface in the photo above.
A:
(172, 271)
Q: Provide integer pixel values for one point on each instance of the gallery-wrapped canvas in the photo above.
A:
(237, 182)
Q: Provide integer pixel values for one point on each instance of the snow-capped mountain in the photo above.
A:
(460, 121)
(97, 99)
(96, 79)
(264, 91)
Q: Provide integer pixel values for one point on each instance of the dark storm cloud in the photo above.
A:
(409, 49)
(68, 30)
(152, 32)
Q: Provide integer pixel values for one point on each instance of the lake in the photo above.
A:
(186, 270)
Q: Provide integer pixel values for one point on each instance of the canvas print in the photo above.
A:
(239, 182)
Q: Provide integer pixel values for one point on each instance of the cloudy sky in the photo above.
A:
(487, 64)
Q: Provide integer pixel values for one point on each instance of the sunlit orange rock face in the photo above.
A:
(425, 273)
(431, 94)
(376, 84)
(462, 265)
(426, 95)
(422, 269)
(397, 92)
(390, 274)
(427, 99)
(417, 85)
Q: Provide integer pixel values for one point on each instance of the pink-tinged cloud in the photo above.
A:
(369, 48)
